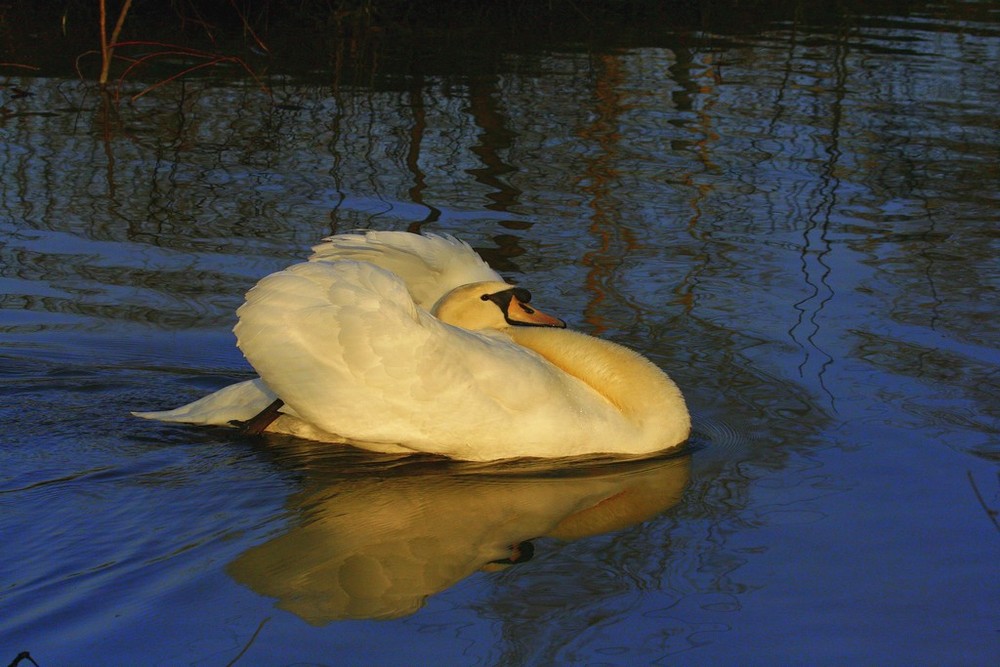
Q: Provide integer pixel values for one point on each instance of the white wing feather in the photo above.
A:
(345, 346)
(429, 265)
(237, 402)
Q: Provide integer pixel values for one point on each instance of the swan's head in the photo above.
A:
(491, 305)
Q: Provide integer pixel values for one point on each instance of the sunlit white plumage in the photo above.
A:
(390, 341)
(429, 265)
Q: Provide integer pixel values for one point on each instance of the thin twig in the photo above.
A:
(176, 76)
(105, 55)
(211, 60)
(247, 647)
(121, 20)
(991, 513)
(165, 45)
(248, 28)
(108, 47)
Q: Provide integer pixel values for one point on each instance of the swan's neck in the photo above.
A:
(643, 393)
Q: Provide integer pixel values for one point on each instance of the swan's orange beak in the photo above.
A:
(519, 312)
(513, 303)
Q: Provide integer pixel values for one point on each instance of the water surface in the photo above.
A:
(798, 221)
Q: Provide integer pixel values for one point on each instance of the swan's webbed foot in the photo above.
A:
(256, 424)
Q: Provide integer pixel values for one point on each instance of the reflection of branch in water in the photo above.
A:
(417, 129)
(703, 87)
(23, 655)
(249, 643)
(928, 240)
(336, 130)
(991, 513)
(494, 138)
(108, 112)
(599, 179)
(508, 248)
(815, 269)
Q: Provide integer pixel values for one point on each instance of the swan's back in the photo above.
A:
(429, 265)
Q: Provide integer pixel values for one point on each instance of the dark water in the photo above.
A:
(798, 221)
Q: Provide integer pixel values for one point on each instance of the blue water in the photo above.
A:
(799, 224)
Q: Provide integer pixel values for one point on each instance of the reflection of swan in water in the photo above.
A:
(377, 546)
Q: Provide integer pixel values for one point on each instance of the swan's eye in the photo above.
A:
(485, 297)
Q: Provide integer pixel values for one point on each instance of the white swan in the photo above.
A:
(398, 342)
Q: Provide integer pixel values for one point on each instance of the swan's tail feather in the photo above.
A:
(238, 402)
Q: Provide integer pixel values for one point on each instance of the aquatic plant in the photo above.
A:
(149, 50)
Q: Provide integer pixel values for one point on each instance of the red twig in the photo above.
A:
(31, 67)
(175, 50)
(248, 28)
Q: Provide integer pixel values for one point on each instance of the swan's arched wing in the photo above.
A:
(429, 265)
(346, 347)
